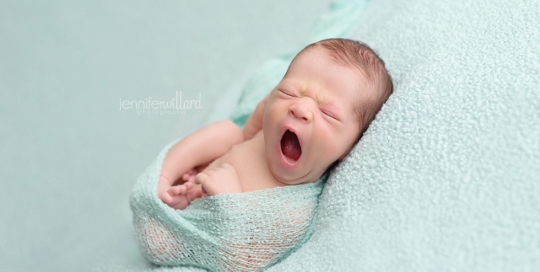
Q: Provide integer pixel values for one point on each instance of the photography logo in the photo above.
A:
(176, 105)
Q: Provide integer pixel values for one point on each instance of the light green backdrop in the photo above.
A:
(68, 156)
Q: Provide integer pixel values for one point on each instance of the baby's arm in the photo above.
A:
(199, 148)
(255, 121)
(222, 180)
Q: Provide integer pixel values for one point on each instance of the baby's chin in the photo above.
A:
(299, 175)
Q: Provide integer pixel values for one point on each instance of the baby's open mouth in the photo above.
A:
(290, 146)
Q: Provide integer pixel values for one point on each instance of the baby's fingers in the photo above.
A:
(189, 183)
(194, 194)
(189, 174)
(201, 178)
(177, 190)
(185, 176)
(166, 198)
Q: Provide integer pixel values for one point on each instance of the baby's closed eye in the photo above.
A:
(287, 92)
(330, 114)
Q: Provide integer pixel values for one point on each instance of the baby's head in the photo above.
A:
(325, 102)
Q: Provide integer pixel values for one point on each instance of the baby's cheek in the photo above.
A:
(341, 146)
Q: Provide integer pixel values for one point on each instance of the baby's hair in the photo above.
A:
(371, 66)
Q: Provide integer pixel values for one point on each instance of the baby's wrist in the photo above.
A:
(165, 178)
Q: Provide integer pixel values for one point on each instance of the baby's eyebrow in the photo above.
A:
(291, 86)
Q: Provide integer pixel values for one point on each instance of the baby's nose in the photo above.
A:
(302, 111)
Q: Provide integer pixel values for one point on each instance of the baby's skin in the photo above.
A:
(302, 127)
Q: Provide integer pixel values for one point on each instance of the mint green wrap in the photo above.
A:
(227, 232)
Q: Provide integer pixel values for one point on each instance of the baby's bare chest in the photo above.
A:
(249, 161)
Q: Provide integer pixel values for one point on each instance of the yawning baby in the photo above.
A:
(309, 121)
(244, 199)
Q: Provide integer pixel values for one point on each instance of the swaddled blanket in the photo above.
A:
(228, 232)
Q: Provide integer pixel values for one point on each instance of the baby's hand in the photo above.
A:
(222, 180)
(179, 196)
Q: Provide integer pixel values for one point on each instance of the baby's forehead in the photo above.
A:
(364, 62)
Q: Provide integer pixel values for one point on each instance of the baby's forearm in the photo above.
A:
(201, 147)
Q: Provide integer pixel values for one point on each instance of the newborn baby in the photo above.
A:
(307, 123)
